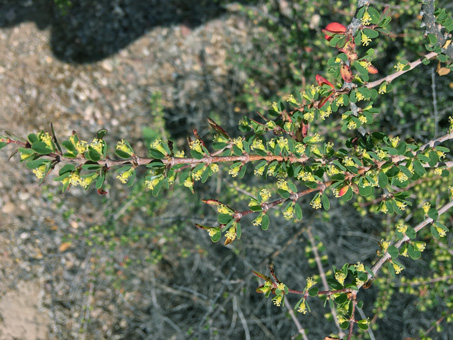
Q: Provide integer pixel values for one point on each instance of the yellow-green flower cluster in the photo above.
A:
(398, 268)
(271, 125)
(310, 283)
(238, 143)
(401, 177)
(401, 227)
(282, 184)
(151, 183)
(179, 154)
(394, 141)
(352, 125)
(441, 232)
(326, 112)
(309, 116)
(384, 245)
(340, 277)
(365, 39)
(257, 221)
(288, 213)
(121, 145)
(223, 209)
(234, 169)
(399, 66)
(383, 88)
(231, 234)
(302, 307)
(46, 138)
(316, 202)
(257, 145)
(265, 194)
(316, 138)
(97, 144)
(366, 19)
(188, 183)
(157, 145)
(420, 246)
(214, 167)
(306, 176)
(278, 300)
(124, 177)
(332, 170)
(196, 146)
(401, 205)
(426, 207)
(39, 172)
(347, 161)
(300, 148)
(282, 143)
(259, 170)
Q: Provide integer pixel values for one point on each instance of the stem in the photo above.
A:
(399, 73)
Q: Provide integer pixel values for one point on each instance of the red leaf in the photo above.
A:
(343, 191)
(321, 80)
(346, 73)
(333, 28)
(324, 100)
(102, 192)
(372, 69)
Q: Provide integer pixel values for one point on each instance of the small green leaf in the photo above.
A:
(41, 148)
(224, 218)
(418, 167)
(36, 163)
(413, 253)
(382, 180)
(66, 168)
(32, 138)
(433, 213)
(313, 291)
(155, 154)
(298, 211)
(101, 133)
(410, 232)
(122, 154)
(432, 38)
(265, 222)
(393, 251)
(325, 202)
(216, 237)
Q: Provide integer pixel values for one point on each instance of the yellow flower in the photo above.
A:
(97, 145)
(384, 208)
(212, 231)
(282, 184)
(151, 184)
(188, 183)
(384, 245)
(281, 286)
(340, 277)
(197, 175)
(365, 40)
(310, 283)
(196, 146)
(300, 148)
(223, 209)
(289, 212)
(383, 88)
(302, 308)
(179, 154)
(426, 207)
(271, 125)
(359, 96)
(85, 182)
(441, 232)
(401, 177)
(214, 167)
(352, 125)
(39, 172)
(316, 138)
(381, 154)
(340, 101)
(259, 171)
(46, 138)
(438, 171)
(399, 66)
(360, 267)
(420, 246)
(394, 141)
(397, 268)
(362, 119)
(366, 19)
(231, 234)
(309, 116)
(123, 147)
(278, 300)
(257, 221)
(124, 177)
(234, 170)
(238, 143)
(282, 142)
(316, 202)
(157, 145)
(257, 145)
(401, 227)
(265, 194)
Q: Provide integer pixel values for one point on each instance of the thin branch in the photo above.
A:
(299, 327)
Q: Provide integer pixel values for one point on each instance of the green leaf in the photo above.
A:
(283, 193)
(441, 226)
(36, 163)
(433, 213)
(370, 33)
(94, 155)
(325, 202)
(2, 145)
(413, 253)
(410, 232)
(393, 251)
(265, 222)
(432, 38)
(100, 181)
(313, 291)
(70, 147)
(418, 167)
(156, 154)
(363, 324)
(32, 138)
(88, 166)
(66, 168)
(382, 180)
(216, 237)
(122, 154)
(344, 325)
(41, 148)
(298, 211)
(238, 230)
(101, 133)
(224, 218)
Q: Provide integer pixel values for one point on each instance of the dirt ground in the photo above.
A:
(37, 88)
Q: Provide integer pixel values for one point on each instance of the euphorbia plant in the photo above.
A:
(288, 143)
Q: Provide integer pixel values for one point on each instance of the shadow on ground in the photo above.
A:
(90, 30)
